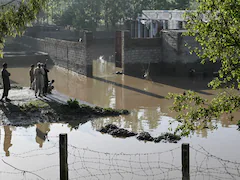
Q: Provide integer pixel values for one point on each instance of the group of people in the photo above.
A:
(39, 80)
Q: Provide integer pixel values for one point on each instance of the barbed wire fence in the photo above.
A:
(84, 163)
(102, 165)
(208, 166)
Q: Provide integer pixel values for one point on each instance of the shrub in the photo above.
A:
(73, 104)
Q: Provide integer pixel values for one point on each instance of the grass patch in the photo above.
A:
(73, 104)
(71, 108)
(34, 106)
(88, 110)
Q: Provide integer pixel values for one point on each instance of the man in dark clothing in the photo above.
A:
(31, 74)
(6, 82)
(45, 89)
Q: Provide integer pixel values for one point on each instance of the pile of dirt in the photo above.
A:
(117, 132)
(143, 136)
(165, 137)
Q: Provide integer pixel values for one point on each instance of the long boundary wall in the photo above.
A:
(74, 56)
(61, 33)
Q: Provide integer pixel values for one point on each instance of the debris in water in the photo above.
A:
(117, 132)
(119, 72)
(143, 136)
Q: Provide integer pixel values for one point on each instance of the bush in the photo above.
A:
(73, 104)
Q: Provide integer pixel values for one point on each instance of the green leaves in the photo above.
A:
(219, 36)
(89, 14)
(195, 113)
(82, 14)
(14, 18)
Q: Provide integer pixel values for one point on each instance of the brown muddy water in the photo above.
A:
(93, 155)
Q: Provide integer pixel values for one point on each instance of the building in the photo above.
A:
(150, 22)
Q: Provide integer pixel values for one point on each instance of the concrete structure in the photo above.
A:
(18, 55)
(61, 33)
(150, 22)
(166, 55)
(72, 55)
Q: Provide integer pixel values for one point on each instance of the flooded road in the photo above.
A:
(20, 146)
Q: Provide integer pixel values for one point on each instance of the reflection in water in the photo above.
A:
(139, 120)
(86, 139)
(41, 133)
(145, 99)
(149, 112)
(102, 68)
(7, 140)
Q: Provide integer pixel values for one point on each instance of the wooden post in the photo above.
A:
(63, 156)
(185, 162)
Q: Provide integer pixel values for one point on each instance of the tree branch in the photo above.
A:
(226, 25)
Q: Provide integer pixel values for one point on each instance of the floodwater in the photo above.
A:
(93, 155)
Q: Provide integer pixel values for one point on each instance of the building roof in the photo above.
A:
(175, 15)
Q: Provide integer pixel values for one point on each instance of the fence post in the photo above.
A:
(185, 162)
(63, 156)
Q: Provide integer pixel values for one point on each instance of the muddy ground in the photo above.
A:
(25, 109)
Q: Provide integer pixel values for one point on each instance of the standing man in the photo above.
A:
(6, 82)
(38, 78)
(45, 89)
(42, 77)
(31, 74)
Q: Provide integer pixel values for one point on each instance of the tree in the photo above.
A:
(113, 11)
(181, 4)
(15, 16)
(81, 14)
(215, 25)
(54, 9)
(164, 5)
(86, 14)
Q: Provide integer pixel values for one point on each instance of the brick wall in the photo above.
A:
(75, 56)
(67, 54)
(167, 55)
(53, 32)
(142, 51)
(57, 32)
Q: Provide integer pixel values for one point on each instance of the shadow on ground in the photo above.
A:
(197, 84)
(14, 115)
(47, 109)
